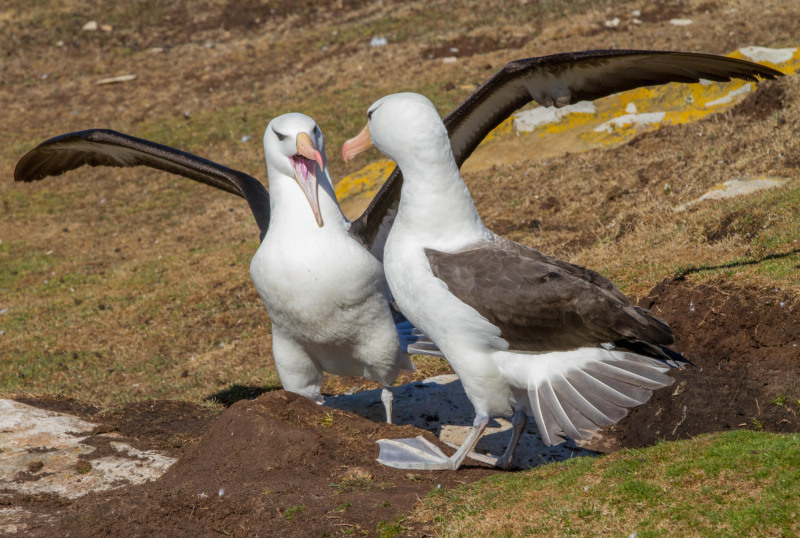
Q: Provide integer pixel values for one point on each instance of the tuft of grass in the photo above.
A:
(327, 420)
(740, 483)
(291, 512)
(388, 529)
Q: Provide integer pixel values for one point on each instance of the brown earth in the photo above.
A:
(280, 465)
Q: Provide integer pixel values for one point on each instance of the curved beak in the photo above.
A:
(305, 172)
(358, 144)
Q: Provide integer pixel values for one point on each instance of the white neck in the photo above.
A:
(290, 207)
(435, 203)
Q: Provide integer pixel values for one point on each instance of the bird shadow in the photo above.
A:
(440, 405)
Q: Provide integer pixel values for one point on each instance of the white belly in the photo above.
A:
(325, 292)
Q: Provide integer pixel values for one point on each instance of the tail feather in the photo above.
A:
(574, 393)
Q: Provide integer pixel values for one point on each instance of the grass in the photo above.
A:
(738, 483)
(293, 511)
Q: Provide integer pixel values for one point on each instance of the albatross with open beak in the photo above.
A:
(324, 291)
(529, 335)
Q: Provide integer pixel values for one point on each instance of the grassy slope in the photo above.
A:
(124, 285)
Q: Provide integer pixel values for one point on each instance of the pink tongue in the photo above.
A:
(301, 165)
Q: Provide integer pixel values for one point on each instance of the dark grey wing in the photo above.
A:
(559, 79)
(372, 228)
(103, 147)
(543, 304)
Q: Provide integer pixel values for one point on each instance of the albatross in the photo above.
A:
(528, 335)
(324, 292)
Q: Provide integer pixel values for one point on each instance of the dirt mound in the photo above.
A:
(745, 346)
(277, 465)
(769, 97)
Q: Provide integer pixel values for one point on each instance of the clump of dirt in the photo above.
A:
(769, 97)
(277, 465)
(745, 346)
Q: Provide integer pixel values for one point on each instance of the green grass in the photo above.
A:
(739, 483)
(293, 511)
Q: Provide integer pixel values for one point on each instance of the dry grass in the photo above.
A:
(124, 284)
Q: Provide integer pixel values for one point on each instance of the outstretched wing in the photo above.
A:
(103, 147)
(557, 80)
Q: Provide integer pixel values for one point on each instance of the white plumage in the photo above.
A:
(324, 292)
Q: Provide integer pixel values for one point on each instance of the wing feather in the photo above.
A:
(558, 79)
(542, 304)
(103, 147)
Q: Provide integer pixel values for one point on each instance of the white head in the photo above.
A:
(405, 127)
(294, 147)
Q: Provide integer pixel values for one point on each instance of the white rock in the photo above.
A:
(613, 23)
(26, 428)
(630, 119)
(449, 60)
(528, 120)
(681, 22)
(763, 54)
(736, 187)
(747, 88)
(90, 26)
(378, 42)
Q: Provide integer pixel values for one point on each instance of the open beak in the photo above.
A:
(358, 144)
(305, 171)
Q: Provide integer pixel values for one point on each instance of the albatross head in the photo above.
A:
(294, 146)
(404, 127)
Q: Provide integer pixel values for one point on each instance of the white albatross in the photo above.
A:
(529, 335)
(324, 292)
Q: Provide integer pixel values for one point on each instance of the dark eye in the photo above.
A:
(369, 115)
(281, 137)
(316, 130)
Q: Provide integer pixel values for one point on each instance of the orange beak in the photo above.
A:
(358, 144)
(305, 147)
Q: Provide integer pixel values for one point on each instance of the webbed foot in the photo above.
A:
(417, 453)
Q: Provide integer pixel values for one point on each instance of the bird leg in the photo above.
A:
(518, 422)
(388, 399)
(420, 454)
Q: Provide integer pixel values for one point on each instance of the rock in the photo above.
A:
(90, 26)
